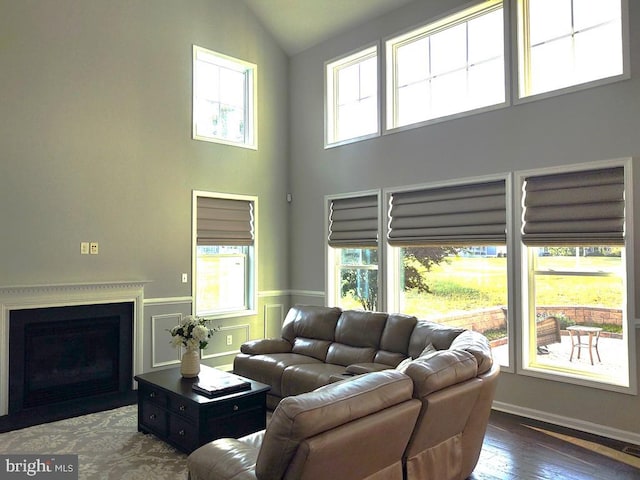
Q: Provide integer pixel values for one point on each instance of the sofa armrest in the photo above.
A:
(440, 370)
(266, 345)
(224, 459)
(359, 368)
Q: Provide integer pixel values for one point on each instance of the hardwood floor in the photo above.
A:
(524, 449)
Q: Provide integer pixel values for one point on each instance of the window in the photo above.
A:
(449, 257)
(353, 224)
(573, 232)
(224, 253)
(352, 97)
(568, 42)
(224, 105)
(451, 66)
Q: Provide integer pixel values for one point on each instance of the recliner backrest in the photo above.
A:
(300, 418)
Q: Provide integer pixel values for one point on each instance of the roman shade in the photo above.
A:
(472, 214)
(576, 208)
(353, 222)
(223, 221)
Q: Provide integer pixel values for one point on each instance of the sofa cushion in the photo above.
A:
(268, 368)
(427, 332)
(266, 345)
(390, 359)
(476, 344)
(360, 329)
(341, 354)
(397, 332)
(312, 347)
(360, 368)
(298, 379)
(439, 370)
(310, 322)
(303, 416)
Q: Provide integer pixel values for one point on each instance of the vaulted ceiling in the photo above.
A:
(300, 24)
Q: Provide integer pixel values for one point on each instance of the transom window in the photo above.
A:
(352, 97)
(224, 108)
(568, 42)
(447, 67)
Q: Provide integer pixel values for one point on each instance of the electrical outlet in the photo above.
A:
(229, 339)
(84, 248)
(93, 248)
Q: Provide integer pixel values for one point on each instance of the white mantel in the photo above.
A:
(60, 295)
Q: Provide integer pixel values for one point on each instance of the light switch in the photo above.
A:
(185, 278)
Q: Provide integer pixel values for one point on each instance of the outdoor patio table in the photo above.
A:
(594, 333)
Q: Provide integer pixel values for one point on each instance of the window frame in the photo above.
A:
(331, 86)
(440, 23)
(526, 365)
(519, 64)
(250, 72)
(393, 262)
(332, 295)
(251, 276)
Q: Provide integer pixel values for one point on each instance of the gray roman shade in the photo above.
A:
(577, 208)
(473, 214)
(353, 222)
(224, 221)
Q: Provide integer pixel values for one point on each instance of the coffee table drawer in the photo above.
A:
(153, 417)
(151, 394)
(183, 433)
(184, 407)
(234, 406)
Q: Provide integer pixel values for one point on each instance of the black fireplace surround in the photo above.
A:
(69, 360)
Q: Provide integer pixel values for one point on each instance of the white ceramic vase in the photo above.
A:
(190, 365)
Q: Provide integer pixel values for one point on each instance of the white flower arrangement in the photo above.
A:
(192, 333)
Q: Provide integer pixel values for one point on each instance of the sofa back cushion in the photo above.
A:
(397, 332)
(311, 322)
(439, 370)
(341, 354)
(360, 329)
(426, 332)
(311, 347)
(476, 344)
(299, 417)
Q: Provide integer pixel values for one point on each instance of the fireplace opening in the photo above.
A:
(80, 355)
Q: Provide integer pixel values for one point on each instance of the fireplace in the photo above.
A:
(60, 354)
(68, 350)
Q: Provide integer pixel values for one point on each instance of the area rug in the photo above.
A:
(107, 443)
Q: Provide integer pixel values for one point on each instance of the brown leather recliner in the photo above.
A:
(351, 430)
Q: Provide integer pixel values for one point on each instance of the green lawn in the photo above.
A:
(469, 283)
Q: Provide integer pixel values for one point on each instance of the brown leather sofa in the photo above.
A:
(349, 430)
(452, 370)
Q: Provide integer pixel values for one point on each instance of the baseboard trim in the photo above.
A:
(573, 423)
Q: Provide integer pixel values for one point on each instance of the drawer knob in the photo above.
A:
(152, 395)
(182, 408)
(236, 408)
(152, 416)
(181, 433)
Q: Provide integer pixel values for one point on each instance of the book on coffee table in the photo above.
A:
(223, 385)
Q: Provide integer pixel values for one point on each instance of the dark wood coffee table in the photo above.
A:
(171, 410)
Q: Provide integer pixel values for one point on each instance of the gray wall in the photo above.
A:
(95, 143)
(596, 124)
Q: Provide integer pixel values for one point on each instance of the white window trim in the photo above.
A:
(516, 52)
(520, 252)
(251, 101)
(329, 252)
(252, 280)
(330, 98)
(389, 68)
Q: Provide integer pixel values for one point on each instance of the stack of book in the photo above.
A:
(221, 385)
